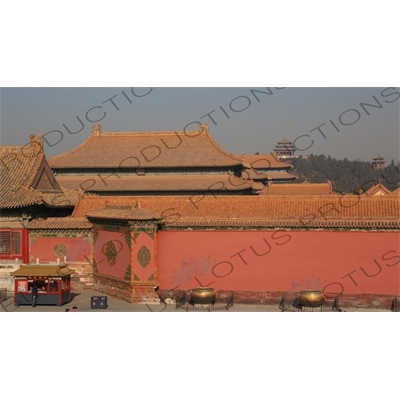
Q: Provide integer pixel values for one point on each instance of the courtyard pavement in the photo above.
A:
(82, 300)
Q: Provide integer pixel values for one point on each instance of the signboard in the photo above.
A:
(22, 286)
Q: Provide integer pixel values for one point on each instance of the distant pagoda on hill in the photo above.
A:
(267, 168)
(378, 162)
(285, 149)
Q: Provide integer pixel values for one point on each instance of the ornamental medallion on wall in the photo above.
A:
(144, 256)
(111, 252)
(60, 249)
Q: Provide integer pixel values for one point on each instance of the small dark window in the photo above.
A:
(5, 242)
(16, 242)
(10, 242)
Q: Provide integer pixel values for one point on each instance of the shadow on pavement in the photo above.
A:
(73, 295)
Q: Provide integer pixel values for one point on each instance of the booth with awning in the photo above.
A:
(53, 283)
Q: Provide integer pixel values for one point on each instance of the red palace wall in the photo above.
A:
(45, 249)
(281, 261)
(144, 257)
(107, 265)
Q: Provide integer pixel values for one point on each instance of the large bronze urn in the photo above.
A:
(311, 298)
(202, 295)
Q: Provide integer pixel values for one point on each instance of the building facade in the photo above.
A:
(152, 163)
(29, 191)
(140, 214)
(267, 168)
(344, 245)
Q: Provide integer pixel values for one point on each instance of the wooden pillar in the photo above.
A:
(25, 246)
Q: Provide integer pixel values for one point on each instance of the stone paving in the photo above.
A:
(82, 300)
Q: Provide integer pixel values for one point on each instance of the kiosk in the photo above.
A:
(52, 281)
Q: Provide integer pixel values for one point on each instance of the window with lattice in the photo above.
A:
(10, 242)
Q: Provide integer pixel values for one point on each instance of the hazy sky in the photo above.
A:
(257, 121)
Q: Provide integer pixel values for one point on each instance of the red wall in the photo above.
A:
(144, 241)
(281, 261)
(78, 248)
(118, 269)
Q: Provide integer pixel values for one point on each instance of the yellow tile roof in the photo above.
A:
(266, 161)
(311, 210)
(154, 183)
(42, 270)
(60, 223)
(18, 170)
(147, 149)
(26, 178)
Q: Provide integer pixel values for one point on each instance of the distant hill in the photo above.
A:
(346, 176)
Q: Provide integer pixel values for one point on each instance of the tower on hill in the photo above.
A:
(378, 162)
(284, 149)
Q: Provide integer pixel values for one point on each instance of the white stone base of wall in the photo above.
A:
(7, 281)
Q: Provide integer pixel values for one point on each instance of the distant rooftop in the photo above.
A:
(146, 150)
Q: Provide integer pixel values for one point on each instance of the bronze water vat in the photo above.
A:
(202, 295)
(311, 298)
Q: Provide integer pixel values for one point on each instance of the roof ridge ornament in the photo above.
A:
(203, 127)
(96, 129)
(36, 142)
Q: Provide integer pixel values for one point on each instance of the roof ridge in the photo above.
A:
(145, 133)
(306, 181)
(216, 145)
(129, 144)
(40, 160)
(51, 158)
(127, 199)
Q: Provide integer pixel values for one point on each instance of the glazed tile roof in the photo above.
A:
(285, 141)
(117, 211)
(64, 198)
(23, 170)
(302, 189)
(395, 192)
(60, 223)
(256, 175)
(377, 190)
(284, 145)
(18, 197)
(42, 270)
(266, 161)
(155, 183)
(271, 224)
(146, 149)
(301, 211)
(378, 157)
(18, 169)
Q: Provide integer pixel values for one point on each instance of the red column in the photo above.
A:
(15, 290)
(25, 246)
